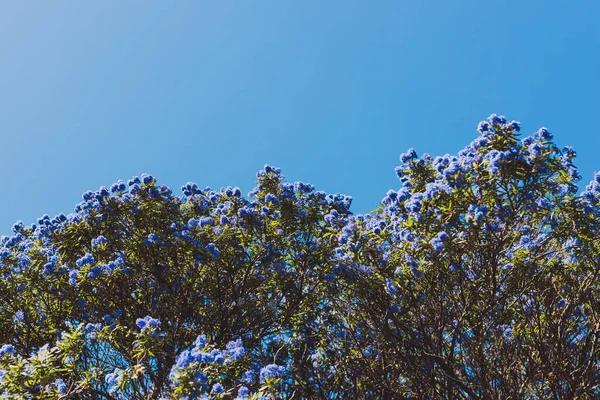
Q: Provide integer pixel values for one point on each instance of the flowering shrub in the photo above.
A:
(477, 278)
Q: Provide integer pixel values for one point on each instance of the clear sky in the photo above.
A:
(330, 91)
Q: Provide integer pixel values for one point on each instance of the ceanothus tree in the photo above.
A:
(479, 278)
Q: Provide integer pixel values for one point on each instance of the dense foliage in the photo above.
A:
(479, 278)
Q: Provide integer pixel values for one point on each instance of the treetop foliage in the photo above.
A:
(478, 278)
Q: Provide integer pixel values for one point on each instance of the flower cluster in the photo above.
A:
(204, 370)
(148, 324)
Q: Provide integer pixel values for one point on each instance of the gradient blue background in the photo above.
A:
(330, 91)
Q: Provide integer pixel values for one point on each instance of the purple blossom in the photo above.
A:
(411, 154)
(212, 250)
(147, 323)
(271, 371)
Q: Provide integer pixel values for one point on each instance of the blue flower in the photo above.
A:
(16, 228)
(245, 212)
(236, 350)
(543, 133)
(514, 125)
(192, 223)
(451, 170)
(118, 187)
(87, 196)
(438, 241)
(135, 189)
(7, 349)
(48, 268)
(302, 187)
(411, 154)
(219, 359)
(85, 260)
(92, 328)
(249, 376)
(94, 273)
(413, 205)
(243, 392)
(190, 188)
(496, 119)
(526, 141)
(483, 126)
(148, 324)
(19, 317)
(200, 342)
(390, 288)
(73, 277)
(61, 388)
(212, 250)
(205, 221)
(535, 149)
(542, 202)
(271, 198)
(98, 241)
(271, 371)
(148, 179)
(237, 353)
(108, 319)
(270, 169)
(152, 238)
(417, 273)
(526, 242)
(112, 380)
(217, 388)
(102, 193)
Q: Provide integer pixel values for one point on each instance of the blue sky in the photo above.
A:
(332, 92)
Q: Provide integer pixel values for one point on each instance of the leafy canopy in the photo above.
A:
(478, 278)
